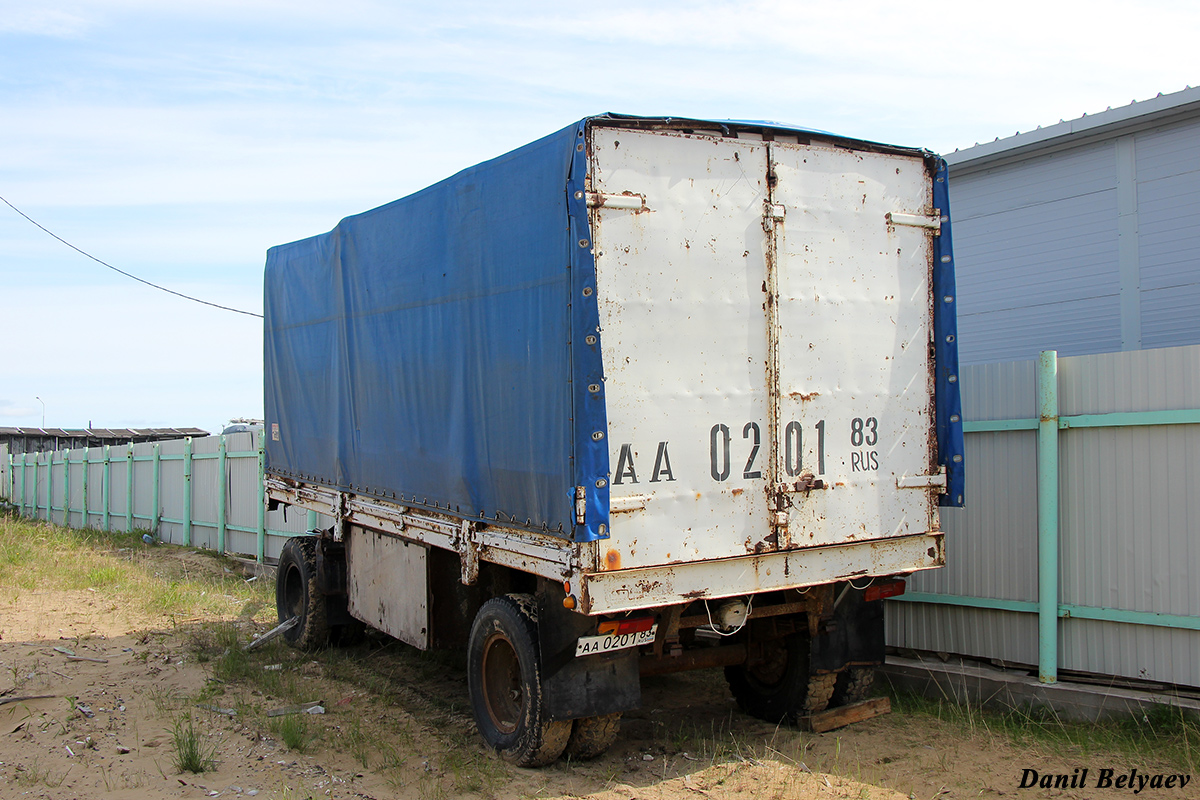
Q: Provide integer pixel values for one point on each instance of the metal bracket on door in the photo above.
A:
(923, 481)
(933, 222)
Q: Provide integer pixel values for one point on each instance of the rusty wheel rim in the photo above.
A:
(501, 683)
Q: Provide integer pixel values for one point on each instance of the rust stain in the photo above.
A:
(804, 397)
(736, 492)
(612, 559)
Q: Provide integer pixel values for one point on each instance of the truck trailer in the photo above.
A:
(643, 396)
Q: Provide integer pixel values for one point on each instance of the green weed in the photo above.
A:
(191, 752)
(293, 730)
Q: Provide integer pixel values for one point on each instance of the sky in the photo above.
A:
(178, 141)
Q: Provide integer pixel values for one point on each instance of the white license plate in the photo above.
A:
(589, 645)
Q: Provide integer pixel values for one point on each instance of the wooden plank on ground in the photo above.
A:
(842, 716)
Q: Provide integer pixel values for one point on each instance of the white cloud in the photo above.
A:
(22, 18)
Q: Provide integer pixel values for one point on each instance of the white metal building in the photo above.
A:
(1081, 237)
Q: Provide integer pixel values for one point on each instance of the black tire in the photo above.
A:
(505, 684)
(853, 685)
(780, 688)
(296, 595)
(591, 736)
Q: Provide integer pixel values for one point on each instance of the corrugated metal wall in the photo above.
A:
(1038, 248)
(1129, 521)
(241, 482)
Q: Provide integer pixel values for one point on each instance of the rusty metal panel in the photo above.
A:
(651, 587)
(684, 345)
(855, 388)
(388, 584)
(708, 410)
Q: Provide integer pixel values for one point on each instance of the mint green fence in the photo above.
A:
(205, 492)
(1079, 547)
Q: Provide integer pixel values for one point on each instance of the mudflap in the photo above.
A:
(331, 580)
(853, 636)
(588, 686)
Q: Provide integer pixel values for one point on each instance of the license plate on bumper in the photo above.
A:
(589, 645)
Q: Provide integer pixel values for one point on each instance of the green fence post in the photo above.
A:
(187, 492)
(10, 477)
(157, 467)
(1047, 499)
(87, 462)
(24, 478)
(106, 489)
(67, 487)
(50, 487)
(129, 488)
(37, 457)
(262, 499)
(222, 499)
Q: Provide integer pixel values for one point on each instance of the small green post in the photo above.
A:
(67, 487)
(106, 489)
(262, 499)
(87, 463)
(311, 524)
(11, 478)
(24, 480)
(36, 494)
(1047, 500)
(50, 487)
(187, 492)
(129, 488)
(157, 467)
(222, 491)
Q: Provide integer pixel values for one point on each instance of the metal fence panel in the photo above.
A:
(1129, 513)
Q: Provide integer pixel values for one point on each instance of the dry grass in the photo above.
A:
(35, 556)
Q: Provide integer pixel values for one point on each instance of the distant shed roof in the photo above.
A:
(1156, 111)
(32, 440)
(115, 434)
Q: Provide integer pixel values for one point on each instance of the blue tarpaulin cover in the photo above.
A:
(435, 350)
(421, 349)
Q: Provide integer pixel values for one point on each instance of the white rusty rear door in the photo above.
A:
(711, 419)
(854, 320)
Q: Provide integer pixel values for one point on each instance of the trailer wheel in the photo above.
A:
(505, 683)
(853, 685)
(781, 688)
(296, 594)
(591, 736)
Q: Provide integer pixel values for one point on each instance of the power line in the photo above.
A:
(123, 272)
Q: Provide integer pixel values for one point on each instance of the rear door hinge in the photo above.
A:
(627, 202)
(580, 505)
(938, 480)
(933, 222)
